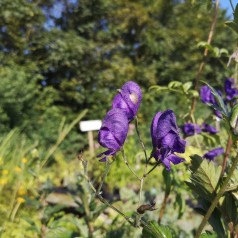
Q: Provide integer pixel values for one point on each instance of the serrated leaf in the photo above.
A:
(154, 230)
(204, 179)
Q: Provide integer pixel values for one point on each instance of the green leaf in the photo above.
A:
(174, 84)
(157, 88)
(194, 93)
(208, 235)
(233, 25)
(154, 230)
(230, 209)
(187, 86)
(204, 179)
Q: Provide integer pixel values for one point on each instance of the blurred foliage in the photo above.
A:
(67, 55)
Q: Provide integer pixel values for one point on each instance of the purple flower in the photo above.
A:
(208, 128)
(230, 88)
(128, 99)
(210, 155)
(113, 132)
(190, 129)
(206, 95)
(166, 139)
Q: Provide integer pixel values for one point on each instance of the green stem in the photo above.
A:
(97, 194)
(141, 142)
(159, 162)
(218, 196)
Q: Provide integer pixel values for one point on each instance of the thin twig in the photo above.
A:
(226, 155)
(127, 164)
(210, 35)
(218, 196)
(157, 163)
(108, 166)
(141, 142)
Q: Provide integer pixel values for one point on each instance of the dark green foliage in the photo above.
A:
(153, 230)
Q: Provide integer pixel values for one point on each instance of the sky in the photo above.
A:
(226, 4)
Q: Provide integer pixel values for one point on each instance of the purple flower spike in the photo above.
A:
(230, 89)
(190, 129)
(128, 99)
(166, 139)
(113, 132)
(208, 128)
(210, 155)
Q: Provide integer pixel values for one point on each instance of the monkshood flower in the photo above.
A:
(113, 132)
(208, 128)
(166, 139)
(190, 129)
(210, 155)
(128, 99)
(207, 97)
(230, 89)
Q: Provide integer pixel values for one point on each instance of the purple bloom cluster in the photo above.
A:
(210, 155)
(114, 129)
(166, 139)
(230, 89)
(164, 130)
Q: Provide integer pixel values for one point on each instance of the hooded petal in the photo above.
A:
(165, 137)
(128, 99)
(153, 129)
(113, 132)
